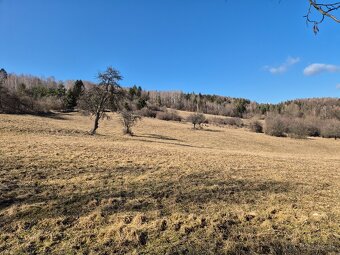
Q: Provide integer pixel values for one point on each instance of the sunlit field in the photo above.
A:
(167, 190)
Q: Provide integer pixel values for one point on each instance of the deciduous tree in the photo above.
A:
(197, 119)
(129, 119)
(104, 96)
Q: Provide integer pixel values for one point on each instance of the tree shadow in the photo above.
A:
(169, 143)
(211, 130)
(198, 189)
(52, 115)
(161, 137)
(202, 188)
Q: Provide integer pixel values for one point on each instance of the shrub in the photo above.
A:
(237, 122)
(196, 119)
(256, 126)
(275, 126)
(313, 127)
(331, 129)
(297, 128)
(216, 121)
(154, 108)
(9, 102)
(168, 115)
(146, 112)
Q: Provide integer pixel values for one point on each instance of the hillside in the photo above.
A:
(167, 190)
(31, 94)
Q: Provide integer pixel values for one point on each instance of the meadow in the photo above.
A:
(167, 190)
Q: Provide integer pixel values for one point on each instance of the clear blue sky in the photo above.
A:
(251, 49)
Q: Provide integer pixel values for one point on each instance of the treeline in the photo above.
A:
(324, 108)
(296, 118)
(26, 93)
(31, 94)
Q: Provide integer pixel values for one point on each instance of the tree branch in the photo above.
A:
(325, 9)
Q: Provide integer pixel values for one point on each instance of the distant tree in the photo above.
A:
(61, 90)
(3, 75)
(197, 119)
(275, 126)
(297, 128)
(105, 96)
(331, 129)
(74, 93)
(240, 106)
(133, 91)
(256, 126)
(129, 119)
(3, 90)
(135, 94)
(141, 103)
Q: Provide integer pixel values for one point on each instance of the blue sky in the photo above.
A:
(252, 49)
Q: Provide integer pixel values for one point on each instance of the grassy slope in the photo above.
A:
(167, 190)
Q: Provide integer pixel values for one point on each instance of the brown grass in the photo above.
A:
(167, 190)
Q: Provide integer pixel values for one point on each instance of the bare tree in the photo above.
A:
(196, 119)
(3, 90)
(104, 96)
(129, 119)
(325, 9)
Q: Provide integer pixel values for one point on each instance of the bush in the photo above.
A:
(168, 115)
(9, 102)
(154, 108)
(216, 121)
(331, 129)
(297, 128)
(237, 122)
(313, 127)
(146, 112)
(256, 126)
(196, 119)
(275, 126)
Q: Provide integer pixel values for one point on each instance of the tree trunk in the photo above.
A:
(96, 124)
(128, 131)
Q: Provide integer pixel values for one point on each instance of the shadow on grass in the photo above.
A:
(211, 130)
(116, 196)
(49, 201)
(169, 143)
(53, 115)
(160, 137)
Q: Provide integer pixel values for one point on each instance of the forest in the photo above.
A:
(27, 94)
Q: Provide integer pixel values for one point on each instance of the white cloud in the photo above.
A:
(338, 86)
(320, 68)
(283, 67)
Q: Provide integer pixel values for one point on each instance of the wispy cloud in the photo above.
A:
(338, 86)
(283, 67)
(317, 68)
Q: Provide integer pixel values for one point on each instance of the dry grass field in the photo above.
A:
(167, 190)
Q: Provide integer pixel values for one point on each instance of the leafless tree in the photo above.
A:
(129, 119)
(196, 119)
(104, 96)
(326, 10)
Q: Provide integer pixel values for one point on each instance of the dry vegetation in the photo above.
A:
(166, 190)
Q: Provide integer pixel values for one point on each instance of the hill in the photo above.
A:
(167, 190)
(31, 94)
